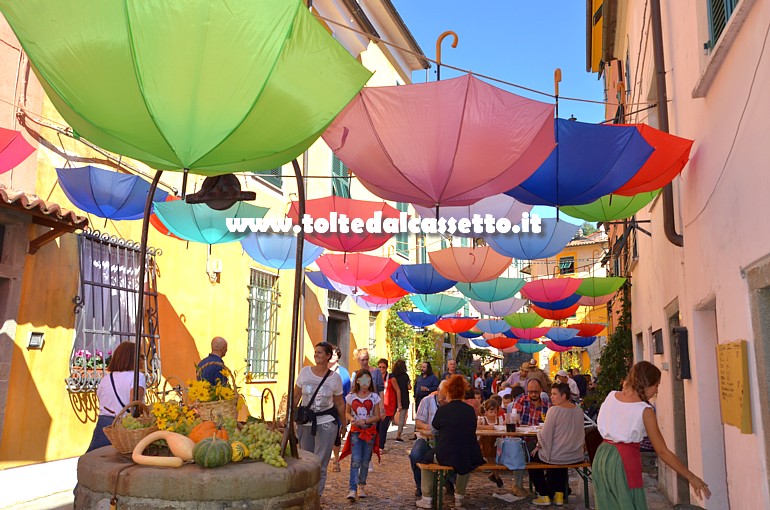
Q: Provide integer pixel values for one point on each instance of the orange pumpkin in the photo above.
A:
(207, 429)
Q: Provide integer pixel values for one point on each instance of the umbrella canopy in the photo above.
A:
(469, 265)
(450, 142)
(596, 286)
(278, 251)
(352, 238)
(387, 288)
(320, 280)
(529, 333)
(105, 193)
(589, 161)
(372, 307)
(13, 149)
(558, 305)
(355, 268)
(611, 207)
(377, 300)
(480, 343)
(437, 304)
(471, 333)
(421, 279)
(497, 206)
(492, 290)
(588, 329)
(556, 315)
(155, 221)
(418, 319)
(576, 341)
(556, 347)
(494, 326)
(670, 156)
(595, 301)
(511, 349)
(530, 348)
(501, 342)
(498, 308)
(550, 289)
(216, 87)
(561, 334)
(202, 224)
(524, 320)
(553, 237)
(456, 324)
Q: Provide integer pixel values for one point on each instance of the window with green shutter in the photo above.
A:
(340, 178)
(402, 238)
(566, 265)
(272, 176)
(719, 12)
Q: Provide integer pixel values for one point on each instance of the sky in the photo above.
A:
(514, 40)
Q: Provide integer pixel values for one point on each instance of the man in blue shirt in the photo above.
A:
(212, 366)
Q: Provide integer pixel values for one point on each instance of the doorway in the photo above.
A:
(338, 333)
(679, 402)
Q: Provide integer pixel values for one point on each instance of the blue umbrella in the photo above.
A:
(493, 326)
(562, 334)
(491, 290)
(577, 341)
(278, 250)
(319, 280)
(105, 193)
(421, 279)
(589, 161)
(553, 237)
(470, 334)
(418, 319)
(480, 343)
(560, 304)
(508, 333)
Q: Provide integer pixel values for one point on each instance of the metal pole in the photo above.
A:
(299, 282)
(142, 272)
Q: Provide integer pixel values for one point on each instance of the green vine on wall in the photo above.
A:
(399, 334)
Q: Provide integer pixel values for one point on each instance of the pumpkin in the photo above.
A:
(240, 451)
(181, 447)
(207, 429)
(212, 452)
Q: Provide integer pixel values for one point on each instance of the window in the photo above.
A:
(105, 309)
(340, 178)
(272, 176)
(422, 241)
(566, 265)
(335, 300)
(657, 339)
(373, 333)
(402, 238)
(263, 326)
(719, 11)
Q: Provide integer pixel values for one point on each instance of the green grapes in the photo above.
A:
(262, 443)
(131, 423)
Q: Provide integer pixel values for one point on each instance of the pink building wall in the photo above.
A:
(722, 210)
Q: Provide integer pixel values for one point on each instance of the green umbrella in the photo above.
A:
(491, 290)
(524, 320)
(593, 287)
(610, 207)
(202, 224)
(212, 86)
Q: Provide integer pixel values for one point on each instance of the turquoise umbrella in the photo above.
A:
(491, 290)
(437, 304)
(202, 224)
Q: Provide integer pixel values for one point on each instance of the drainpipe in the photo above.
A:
(669, 226)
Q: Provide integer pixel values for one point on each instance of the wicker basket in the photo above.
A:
(219, 408)
(125, 440)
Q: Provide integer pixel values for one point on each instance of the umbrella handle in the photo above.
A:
(440, 39)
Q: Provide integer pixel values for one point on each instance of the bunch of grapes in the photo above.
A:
(131, 423)
(231, 426)
(262, 443)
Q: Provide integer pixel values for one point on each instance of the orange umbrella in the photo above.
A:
(501, 342)
(456, 324)
(556, 314)
(469, 265)
(387, 288)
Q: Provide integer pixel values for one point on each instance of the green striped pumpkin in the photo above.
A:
(212, 452)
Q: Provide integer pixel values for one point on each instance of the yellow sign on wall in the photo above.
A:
(734, 398)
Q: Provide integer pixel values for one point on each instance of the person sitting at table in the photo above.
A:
(561, 441)
(531, 409)
(507, 403)
(487, 421)
(422, 420)
(456, 445)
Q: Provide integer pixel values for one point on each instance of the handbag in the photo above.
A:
(304, 414)
(512, 452)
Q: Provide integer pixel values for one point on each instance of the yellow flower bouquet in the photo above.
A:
(174, 417)
(213, 400)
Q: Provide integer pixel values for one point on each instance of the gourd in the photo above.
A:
(181, 446)
(240, 451)
(207, 429)
(212, 452)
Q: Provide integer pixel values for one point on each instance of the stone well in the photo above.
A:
(245, 485)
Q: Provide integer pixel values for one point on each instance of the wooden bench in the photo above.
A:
(442, 472)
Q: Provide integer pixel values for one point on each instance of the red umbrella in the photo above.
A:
(355, 268)
(670, 156)
(501, 342)
(529, 333)
(556, 315)
(588, 329)
(387, 288)
(551, 289)
(13, 149)
(554, 347)
(510, 350)
(159, 226)
(456, 324)
(353, 238)
(469, 265)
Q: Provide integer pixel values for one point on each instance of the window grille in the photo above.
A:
(373, 334)
(263, 326)
(340, 178)
(335, 300)
(272, 176)
(567, 265)
(105, 309)
(719, 12)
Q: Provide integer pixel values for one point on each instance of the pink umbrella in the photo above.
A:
(595, 301)
(377, 300)
(355, 268)
(450, 142)
(498, 206)
(554, 347)
(551, 289)
(372, 307)
(529, 333)
(14, 149)
(347, 239)
(469, 265)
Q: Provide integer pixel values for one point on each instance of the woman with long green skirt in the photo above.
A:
(625, 418)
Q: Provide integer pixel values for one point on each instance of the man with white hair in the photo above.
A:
(422, 426)
(212, 368)
(563, 377)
